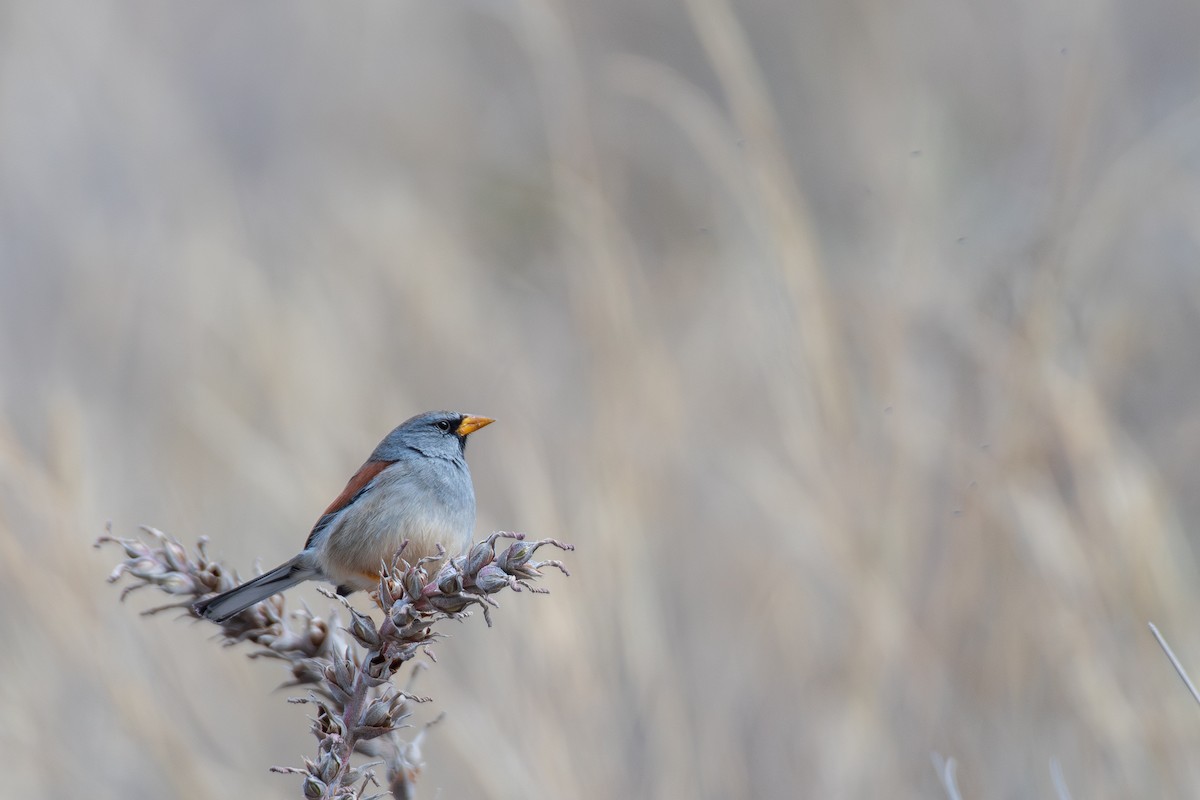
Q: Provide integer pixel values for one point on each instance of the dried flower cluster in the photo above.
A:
(359, 709)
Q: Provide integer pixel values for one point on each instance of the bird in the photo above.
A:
(414, 487)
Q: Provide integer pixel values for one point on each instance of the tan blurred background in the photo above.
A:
(854, 344)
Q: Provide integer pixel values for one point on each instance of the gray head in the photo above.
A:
(440, 434)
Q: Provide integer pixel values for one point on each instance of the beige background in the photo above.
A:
(853, 343)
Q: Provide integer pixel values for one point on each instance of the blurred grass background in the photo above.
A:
(852, 343)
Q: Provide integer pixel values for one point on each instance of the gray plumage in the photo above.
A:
(415, 486)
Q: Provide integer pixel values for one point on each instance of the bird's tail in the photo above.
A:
(221, 607)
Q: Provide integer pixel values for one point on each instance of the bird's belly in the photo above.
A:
(366, 537)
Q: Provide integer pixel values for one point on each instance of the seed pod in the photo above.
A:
(451, 583)
(314, 787)
(450, 603)
(481, 555)
(330, 766)
(515, 556)
(491, 579)
(340, 673)
(413, 584)
(363, 629)
(378, 714)
(402, 614)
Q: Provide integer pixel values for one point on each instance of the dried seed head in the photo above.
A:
(402, 614)
(314, 787)
(414, 584)
(481, 555)
(330, 765)
(388, 592)
(340, 673)
(146, 568)
(178, 583)
(322, 654)
(327, 725)
(450, 604)
(450, 583)
(363, 629)
(175, 555)
(382, 669)
(492, 579)
(378, 714)
(515, 556)
(306, 671)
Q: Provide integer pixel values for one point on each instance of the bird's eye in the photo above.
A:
(444, 425)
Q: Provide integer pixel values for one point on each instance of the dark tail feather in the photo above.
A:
(221, 607)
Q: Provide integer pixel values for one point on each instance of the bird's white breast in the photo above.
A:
(427, 501)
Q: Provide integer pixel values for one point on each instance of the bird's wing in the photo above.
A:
(355, 489)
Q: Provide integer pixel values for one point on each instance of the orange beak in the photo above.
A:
(471, 424)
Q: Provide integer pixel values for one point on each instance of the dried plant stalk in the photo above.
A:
(348, 670)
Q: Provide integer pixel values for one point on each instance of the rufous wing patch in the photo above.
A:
(354, 487)
(366, 473)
